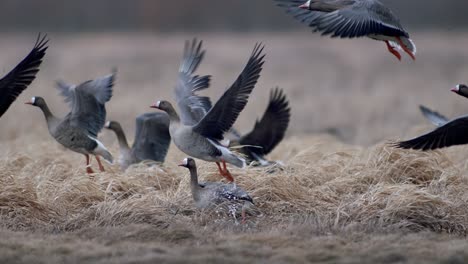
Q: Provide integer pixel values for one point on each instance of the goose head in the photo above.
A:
(461, 89)
(188, 163)
(111, 125)
(36, 101)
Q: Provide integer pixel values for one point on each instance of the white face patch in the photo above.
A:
(158, 103)
(185, 162)
(107, 125)
(33, 100)
(457, 87)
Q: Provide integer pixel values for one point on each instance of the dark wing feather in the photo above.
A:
(433, 116)
(18, 79)
(347, 19)
(192, 107)
(451, 134)
(270, 130)
(224, 113)
(152, 137)
(88, 99)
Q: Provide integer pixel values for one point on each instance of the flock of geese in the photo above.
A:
(204, 130)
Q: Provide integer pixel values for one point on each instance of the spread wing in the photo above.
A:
(270, 130)
(451, 134)
(18, 79)
(433, 116)
(192, 107)
(152, 137)
(224, 113)
(348, 18)
(87, 101)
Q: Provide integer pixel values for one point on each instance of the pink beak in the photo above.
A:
(28, 102)
(154, 106)
(455, 90)
(304, 6)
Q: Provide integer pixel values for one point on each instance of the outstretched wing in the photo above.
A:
(451, 134)
(348, 19)
(88, 99)
(18, 79)
(270, 130)
(224, 113)
(152, 137)
(433, 116)
(192, 107)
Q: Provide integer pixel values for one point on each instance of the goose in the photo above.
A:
(351, 19)
(447, 134)
(202, 139)
(18, 79)
(267, 132)
(433, 116)
(261, 140)
(216, 194)
(78, 130)
(151, 141)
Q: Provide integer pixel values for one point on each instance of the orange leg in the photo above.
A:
(227, 173)
(88, 166)
(392, 50)
(224, 172)
(405, 48)
(101, 168)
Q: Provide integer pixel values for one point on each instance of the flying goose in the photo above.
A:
(78, 130)
(267, 132)
(202, 139)
(18, 79)
(216, 194)
(151, 141)
(450, 133)
(351, 19)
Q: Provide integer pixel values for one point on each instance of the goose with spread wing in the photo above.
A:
(151, 140)
(450, 133)
(18, 79)
(78, 130)
(352, 19)
(202, 139)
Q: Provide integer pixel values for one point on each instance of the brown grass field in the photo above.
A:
(344, 197)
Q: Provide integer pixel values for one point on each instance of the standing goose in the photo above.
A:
(202, 139)
(451, 133)
(18, 79)
(351, 19)
(267, 132)
(216, 194)
(78, 130)
(151, 141)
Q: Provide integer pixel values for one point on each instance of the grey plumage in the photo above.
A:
(18, 79)
(151, 140)
(78, 130)
(229, 197)
(433, 116)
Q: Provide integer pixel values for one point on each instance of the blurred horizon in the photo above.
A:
(201, 16)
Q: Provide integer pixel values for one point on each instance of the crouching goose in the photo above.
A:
(447, 134)
(78, 130)
(18, 79)
(216, 194)
(202, 139)
(151, 140)
(267, 132)
(351, 19)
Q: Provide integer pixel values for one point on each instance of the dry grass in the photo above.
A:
(333, 202)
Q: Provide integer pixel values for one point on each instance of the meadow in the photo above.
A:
(344, 195)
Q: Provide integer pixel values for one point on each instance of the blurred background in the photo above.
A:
(352, 89)
(200, 15)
